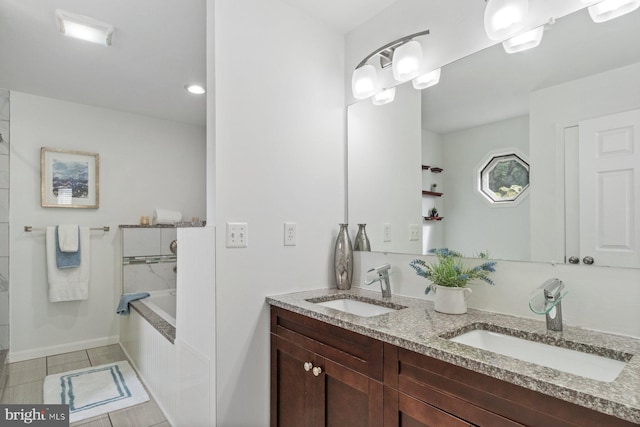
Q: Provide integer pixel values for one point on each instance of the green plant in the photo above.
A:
(450, 271)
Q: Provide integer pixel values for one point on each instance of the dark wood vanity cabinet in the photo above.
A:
(322, 375)
(363, 382)
(474, 398)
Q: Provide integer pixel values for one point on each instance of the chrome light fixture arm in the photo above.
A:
(386, 52)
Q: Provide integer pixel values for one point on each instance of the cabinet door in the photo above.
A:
(348, 398)
(294, 390)
(401, 410)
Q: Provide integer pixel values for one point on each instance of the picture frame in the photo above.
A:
(69, 179)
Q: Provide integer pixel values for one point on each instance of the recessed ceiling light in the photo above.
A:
(195, 89)
(84, 28)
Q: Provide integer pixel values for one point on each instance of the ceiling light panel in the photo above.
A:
(84, 28)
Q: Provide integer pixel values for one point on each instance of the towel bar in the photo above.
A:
(29, 228)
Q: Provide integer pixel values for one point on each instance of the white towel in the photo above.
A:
(68, 284)
(68, 237)
(164, 216)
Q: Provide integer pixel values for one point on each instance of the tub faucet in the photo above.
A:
(383, 278)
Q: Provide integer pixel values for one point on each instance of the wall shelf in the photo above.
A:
(433, 169)
(433, 218)
(431, 193)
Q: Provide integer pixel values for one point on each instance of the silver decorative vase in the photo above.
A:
(362, 240)
(343, 259)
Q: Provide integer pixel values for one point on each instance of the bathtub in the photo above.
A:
(147, 337)
(163, 303)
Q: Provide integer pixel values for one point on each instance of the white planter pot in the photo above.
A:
(451, 300)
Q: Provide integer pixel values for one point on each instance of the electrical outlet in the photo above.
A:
(386, 232)
(237, 234)
(414, 232)
(290, 234)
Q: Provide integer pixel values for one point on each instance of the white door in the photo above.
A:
(610, 189)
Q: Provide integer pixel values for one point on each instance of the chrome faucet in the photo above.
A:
(553, 303)
(383, 278)
(547, 300)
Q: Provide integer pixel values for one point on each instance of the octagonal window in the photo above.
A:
(504, 178)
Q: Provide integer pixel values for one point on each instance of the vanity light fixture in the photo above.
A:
(504, 18)
(427, 80)
(84, 28)
(401, 55)
(407, 60)
(606, 10)
(384, 97)
(195, 89)
(364, 81)
(524, 41)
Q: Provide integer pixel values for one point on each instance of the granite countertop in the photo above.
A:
(166, 329)
(419, 328)
(184, 224)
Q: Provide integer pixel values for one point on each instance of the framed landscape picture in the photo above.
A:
(69, 179)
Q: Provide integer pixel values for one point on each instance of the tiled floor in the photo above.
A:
(25, 380)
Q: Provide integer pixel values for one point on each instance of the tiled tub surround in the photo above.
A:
(421, 329)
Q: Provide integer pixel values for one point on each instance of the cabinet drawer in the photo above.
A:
(480, 399)
(355, 351)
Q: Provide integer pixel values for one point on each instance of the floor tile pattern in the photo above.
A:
(25, 380)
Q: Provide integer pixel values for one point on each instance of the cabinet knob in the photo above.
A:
(588, 260)
(173, 247)
(574, 260)
(308, 366)
(317, 370)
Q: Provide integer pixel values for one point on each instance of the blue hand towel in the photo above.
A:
(67, 259)
(123, 306)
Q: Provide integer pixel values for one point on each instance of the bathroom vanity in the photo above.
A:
(330, 367)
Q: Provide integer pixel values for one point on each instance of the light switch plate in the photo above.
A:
(237, 234)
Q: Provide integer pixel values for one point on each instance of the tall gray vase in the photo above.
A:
(343, 259)
(362, 240)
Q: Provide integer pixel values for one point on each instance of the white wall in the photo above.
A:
(598, 95)
(469, 219)
(144, 163)
(384, 174)
(280, 156)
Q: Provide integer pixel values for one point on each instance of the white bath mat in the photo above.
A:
(96, 390)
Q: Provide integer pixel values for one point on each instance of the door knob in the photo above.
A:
(317, 370)
(308, 366)
(588, 260)
(574, 260)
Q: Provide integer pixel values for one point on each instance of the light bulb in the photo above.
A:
(364, 81)
(384, 97)
(427, 80)
(607, 10)
(407, 60)
(196, 89)
(504, 18)
(524, 41)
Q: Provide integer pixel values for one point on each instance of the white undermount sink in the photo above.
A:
(571, 361)
(357, 307)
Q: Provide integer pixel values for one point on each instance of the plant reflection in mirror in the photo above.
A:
(450, 271)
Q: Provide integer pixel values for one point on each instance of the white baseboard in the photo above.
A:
(35, 353)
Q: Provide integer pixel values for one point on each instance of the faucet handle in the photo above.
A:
(552, 288)
(384, 268)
